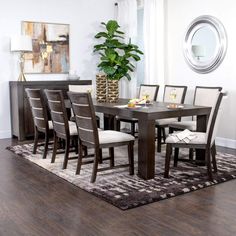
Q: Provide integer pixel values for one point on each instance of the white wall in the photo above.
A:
(179, 14)
(84, 17)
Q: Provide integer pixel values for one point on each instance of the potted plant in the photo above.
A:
(116, 57)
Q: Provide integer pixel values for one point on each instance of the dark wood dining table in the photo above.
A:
(146, 122)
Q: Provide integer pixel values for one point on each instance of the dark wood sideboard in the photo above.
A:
(21, 119)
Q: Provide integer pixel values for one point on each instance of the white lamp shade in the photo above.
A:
(21, 43)
(198, 50)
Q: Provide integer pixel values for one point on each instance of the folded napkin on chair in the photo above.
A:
(185, 136)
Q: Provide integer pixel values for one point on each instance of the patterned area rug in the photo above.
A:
(126, 192)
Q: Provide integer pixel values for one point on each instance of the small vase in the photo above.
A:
(112, 91)
(101, 88)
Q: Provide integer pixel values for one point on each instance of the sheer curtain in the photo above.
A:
(153, 27)
(127, 19)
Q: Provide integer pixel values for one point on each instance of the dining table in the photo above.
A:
(146, 115)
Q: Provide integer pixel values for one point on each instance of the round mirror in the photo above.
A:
(205, 44)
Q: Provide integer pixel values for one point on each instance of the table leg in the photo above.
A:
(146, 149)
(109, 122)
(201, 127)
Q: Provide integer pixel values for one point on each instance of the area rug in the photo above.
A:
(124, 191)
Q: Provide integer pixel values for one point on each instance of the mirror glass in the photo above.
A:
(205, 44)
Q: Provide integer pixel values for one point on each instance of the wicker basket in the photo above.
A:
(101, 88)
(112, 91)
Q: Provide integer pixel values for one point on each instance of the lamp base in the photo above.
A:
(21, 77)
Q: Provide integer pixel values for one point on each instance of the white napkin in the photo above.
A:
(185, 136)
(121, 106)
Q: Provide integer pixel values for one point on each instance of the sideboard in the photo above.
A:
(22, 125)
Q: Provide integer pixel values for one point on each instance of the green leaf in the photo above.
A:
(128, 76)
(112, 26)
(109, 70)
(101, 34)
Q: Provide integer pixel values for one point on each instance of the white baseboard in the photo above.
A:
(225, 142)
(5, 134)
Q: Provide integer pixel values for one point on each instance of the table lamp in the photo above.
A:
(22, 44)
(198, 51)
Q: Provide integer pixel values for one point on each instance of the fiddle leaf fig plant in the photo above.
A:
(116, 57)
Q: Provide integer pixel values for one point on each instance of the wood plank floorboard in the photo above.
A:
(35, 202)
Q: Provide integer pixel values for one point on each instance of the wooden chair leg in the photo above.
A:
(213, 153)
(131, 157)
(66, 156)
(191, 154)
(117, 125)
(208, 161)
(176, 157)
(36, 135)
(100, 156)
(80, 156)
(133, 128)
(75, 144)
(158, 139)
(163, 134)
(45, 146)
(85, 150)
(54, 152)
(95, 166)
(171, 130)
(167, 161)
(111, 153)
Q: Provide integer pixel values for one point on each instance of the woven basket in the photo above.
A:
(101, 88)
(112, 91)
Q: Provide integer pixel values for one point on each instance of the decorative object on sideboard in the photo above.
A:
(101, 87)
(21, 44)
(116, 56)
(72, 75)
(50, 47)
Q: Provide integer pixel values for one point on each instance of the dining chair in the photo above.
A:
(90, 137)
(202, 140)
(40, 118)
(152, 91)
(83, 89)
(173, 94)
(203, 96)
(62, 128)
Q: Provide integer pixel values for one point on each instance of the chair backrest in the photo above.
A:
(84, 112)
(206, 96)
(180, 92)
(38, 109)
(81, 89)
(214, 118)
(151, 90)
(58, 112)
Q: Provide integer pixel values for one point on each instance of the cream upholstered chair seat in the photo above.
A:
(186, 124)
(110, 136)
(50, 125)
(200, 138)
(72, 128)
(166, 121)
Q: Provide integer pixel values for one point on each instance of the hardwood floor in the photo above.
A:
(36, 202)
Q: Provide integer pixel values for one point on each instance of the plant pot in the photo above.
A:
(112, 91)
(101, 88)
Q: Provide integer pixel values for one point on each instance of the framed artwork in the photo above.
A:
(50, 47)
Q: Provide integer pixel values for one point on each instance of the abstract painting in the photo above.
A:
(50, 47)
